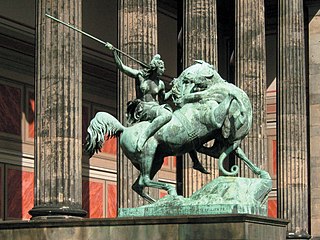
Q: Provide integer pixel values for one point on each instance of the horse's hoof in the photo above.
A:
(264, 174)
(200, 168)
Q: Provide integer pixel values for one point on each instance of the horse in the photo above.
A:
(208, 108)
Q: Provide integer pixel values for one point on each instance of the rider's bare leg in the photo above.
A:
(196, 163)
(164, 116)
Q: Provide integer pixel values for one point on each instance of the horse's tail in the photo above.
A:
(102, 124)
(240, 154)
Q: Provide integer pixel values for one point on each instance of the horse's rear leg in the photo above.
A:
(148, 170)
(139, 187)
(167, 187)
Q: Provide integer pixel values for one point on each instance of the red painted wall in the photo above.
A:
(20, 193)
(112, 200)
(92, 198)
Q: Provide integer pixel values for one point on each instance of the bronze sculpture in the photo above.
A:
(150, 102)
(208, 108)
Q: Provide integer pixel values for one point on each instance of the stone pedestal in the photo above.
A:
(224, 195)
(220, 227)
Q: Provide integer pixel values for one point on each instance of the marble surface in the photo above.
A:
(110, 146)
(166, 161)
(20, 193)
(274, 158)
(162, 194)
(272, 208)
(92, 198)
(31, 114)
(10, 109)
(169, 162)
(112, 200)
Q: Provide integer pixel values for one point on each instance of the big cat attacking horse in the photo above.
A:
(208, 108)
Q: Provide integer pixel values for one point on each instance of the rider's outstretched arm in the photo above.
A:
(123, 68)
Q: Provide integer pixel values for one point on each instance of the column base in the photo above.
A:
(56, 212)
(301, 235)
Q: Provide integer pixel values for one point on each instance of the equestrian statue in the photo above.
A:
(207, 108)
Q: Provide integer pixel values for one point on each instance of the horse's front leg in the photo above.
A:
(196, 163)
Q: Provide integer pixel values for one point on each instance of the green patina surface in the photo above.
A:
(207, 108)
(224, 195)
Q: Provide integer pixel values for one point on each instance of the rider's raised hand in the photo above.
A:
(110, 46)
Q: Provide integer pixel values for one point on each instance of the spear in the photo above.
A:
(97, 39)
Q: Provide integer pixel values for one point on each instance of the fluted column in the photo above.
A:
(291, 119)
(58, 152)
(199, 43)
(138, 38)
(250, 75)
(314, 120)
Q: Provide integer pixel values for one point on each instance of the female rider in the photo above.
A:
(150, 93)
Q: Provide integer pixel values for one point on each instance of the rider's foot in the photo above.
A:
(141, 141)
(172, 191)
(200, 168)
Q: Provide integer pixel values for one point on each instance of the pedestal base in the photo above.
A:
(302, 235)
(223, 195)
(228, 227)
